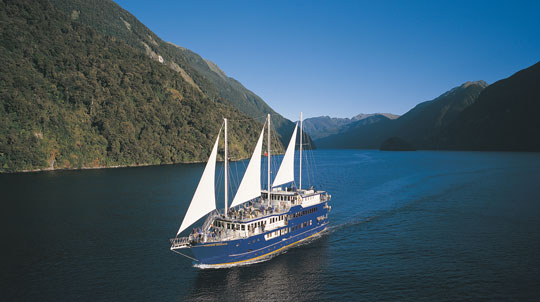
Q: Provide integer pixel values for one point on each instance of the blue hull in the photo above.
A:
(302, 224)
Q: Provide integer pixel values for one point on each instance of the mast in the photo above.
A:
(301, 135)
(226, 171)
(269, 188)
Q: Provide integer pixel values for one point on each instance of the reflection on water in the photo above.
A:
(404, 226)
(294, 275)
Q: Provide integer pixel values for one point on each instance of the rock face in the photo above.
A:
(396, 144)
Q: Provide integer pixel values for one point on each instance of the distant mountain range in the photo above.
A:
(323, 126)
(418, 126)
(473, 116)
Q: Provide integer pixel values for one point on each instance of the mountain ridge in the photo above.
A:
(323, 126)
(417, 126)
(504, 118)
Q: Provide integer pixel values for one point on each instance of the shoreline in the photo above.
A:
(112, 167)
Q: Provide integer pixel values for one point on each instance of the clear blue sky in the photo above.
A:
(340, 58)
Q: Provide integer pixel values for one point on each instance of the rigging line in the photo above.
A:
(236, 179)
(314, 169)
(220, 182)
(185, 255)
(313, 166)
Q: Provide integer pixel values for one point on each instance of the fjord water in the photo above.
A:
(405, 226)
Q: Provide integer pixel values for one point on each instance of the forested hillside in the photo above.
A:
(109, 18)
(73, 97)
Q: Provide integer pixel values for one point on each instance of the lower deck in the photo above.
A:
(302, 223)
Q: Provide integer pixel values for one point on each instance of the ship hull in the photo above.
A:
(245, 250)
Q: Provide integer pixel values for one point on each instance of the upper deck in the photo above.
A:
(257, 216)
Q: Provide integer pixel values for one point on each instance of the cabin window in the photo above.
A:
(228, 226)
(243, 227)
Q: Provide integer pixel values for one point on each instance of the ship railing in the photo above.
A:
(180, 242)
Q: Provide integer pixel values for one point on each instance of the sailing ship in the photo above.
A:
(258, 223)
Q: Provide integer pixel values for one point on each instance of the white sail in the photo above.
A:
(285, 173)
(204, 199)
(250, 187)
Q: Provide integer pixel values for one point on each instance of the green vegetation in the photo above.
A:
(110, 19)
(72, 97)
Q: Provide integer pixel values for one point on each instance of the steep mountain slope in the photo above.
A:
(425, 121)
(505, 117)
(323, 126)
(109, 18)
(418, 126)
(71, 97)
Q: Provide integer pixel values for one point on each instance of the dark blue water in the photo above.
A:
(405, 226)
